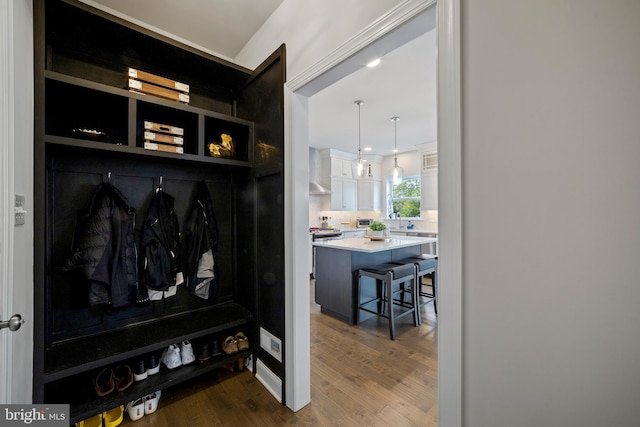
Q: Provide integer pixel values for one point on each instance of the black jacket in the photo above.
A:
(200, 238)
(160, 257)
(104, 250)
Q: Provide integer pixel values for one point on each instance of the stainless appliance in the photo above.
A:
(363, 222)
(319, 235)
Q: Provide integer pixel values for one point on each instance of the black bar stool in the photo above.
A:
(425, 265)
(387, 276)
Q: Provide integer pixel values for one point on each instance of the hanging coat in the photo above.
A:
(104, 250)
(200, 244)
(160, 257)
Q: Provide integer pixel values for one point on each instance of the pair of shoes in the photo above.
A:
(141, 370)
(113, 417)
(175, 356)
(144, 405)
(110, 379)
(233, 344)
(230, 345)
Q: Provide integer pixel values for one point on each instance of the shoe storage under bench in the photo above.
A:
(72, 366)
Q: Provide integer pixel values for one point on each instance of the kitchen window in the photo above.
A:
(403, 199)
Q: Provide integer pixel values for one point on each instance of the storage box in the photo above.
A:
(163, 92)
(148, 145)
(158, 80)
(163, 138)
(159, 127)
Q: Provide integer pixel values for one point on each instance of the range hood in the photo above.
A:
(315, 188)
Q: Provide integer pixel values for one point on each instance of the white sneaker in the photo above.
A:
(171, 357)
(186, 353)
(135, 409)
(151, 402)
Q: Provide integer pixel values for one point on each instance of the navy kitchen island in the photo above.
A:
(337, 261)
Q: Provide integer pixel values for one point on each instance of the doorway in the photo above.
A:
(297, 92)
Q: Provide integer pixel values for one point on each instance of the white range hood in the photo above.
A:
(314, 186)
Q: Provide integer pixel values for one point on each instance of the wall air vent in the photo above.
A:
(429, 161)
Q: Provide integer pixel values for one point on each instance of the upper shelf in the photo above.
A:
(118, 116)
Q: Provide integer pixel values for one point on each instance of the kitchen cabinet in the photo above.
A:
(369, 194)
(81, 58)
(343, 194)
(341, 168)
(336, 173)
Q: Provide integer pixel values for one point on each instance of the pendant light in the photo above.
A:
(360, 162)
(397, 171)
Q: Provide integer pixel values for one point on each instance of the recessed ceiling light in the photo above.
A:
(368, 148)
(373, 63)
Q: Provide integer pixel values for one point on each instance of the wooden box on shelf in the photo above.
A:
(162, 92)
(158, 80)
(167, 148)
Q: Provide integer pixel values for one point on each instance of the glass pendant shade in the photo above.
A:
(359, 164)
(397, 172)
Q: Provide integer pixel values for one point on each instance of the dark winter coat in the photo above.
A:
(104, 250)
(160, 257)
(200, 244)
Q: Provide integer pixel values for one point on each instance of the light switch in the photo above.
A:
(20, 213)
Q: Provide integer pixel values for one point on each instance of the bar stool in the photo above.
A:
(387, 276)
(425, 265)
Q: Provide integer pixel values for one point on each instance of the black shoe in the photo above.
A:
(154, 365)
(140, 371)
(203, 352)
(216, 350)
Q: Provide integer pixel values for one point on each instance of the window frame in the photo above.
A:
(390, 199)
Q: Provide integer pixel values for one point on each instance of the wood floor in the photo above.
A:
(358, 377)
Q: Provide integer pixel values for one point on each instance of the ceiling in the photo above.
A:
(402, 85)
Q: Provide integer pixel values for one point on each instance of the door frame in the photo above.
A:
(6, 194)
(16, 242)
(297, 91)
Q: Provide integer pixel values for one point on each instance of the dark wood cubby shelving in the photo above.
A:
(82, 56)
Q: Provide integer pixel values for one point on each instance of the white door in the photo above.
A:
(16, 177)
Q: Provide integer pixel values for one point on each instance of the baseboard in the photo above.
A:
(269, 380)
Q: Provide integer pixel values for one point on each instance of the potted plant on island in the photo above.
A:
(377, 230)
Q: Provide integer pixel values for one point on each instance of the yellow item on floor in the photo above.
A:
(113, 417)
(95, 421)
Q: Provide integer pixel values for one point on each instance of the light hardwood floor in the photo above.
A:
(359, 377)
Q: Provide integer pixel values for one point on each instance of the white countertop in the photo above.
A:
(410, 232)
(364, 244)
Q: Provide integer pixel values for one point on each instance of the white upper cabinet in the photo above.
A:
(341, 168)
(369, 194)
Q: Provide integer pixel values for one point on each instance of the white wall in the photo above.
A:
(311, 29)
(551, 196)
